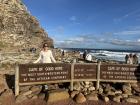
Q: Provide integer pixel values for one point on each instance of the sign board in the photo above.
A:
(121, 72)
(85, 71)
(35, 73)
(31, 74)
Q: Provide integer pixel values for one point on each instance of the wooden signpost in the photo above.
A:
(120, 73)
(32, 74)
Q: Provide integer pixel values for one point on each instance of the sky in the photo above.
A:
(97, 24)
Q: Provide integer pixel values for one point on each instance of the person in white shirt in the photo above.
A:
(45, 56)
(89, 57)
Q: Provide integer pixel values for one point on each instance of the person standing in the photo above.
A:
(126, 58)
(85, 54)
(89, 58)
(130, 59)
(135, 59)
(45, 56)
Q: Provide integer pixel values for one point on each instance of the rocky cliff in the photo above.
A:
(18, 28)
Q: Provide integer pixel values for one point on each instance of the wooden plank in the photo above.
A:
(98, 76)
(17, 81)
(120, 72)
(38, 83)
(85, 71)
(85, 80)
(72, 76)
(119, 81)
(30, 73)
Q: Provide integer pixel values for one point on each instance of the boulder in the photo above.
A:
(118, 92)
(124, 95)
(26, 93)
(80, 98)
(100, 90)
(132, 100)
(21, 98)
(117, 98)
(104, 98)
(77, 86)
(92, 97)
(92, 88)
(74, 93)
(111, 93)
(7, 98)
(57, 95)
(36, 89)
(24, 88)
(127, 88)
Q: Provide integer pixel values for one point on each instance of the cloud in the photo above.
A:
(79, 40)
(132, 32)
(93, 41)
(73, 18)
(125, 42)
(125, 16)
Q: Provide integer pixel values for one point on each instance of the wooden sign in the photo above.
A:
(51, 72)
(121, 72)
(31, 74)
(85, 71)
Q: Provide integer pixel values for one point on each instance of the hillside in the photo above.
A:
(19, 30)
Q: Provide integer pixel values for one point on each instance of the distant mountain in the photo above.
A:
(18, 28)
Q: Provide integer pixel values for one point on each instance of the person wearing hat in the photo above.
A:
(45, 56)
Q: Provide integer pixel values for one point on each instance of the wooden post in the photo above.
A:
(98, 75)
(72, 76)
(17, 81)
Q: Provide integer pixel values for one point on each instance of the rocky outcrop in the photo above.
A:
(19, 30)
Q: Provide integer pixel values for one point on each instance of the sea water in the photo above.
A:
(107, 54)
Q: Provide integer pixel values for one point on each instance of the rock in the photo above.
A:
(34, 97)
(91, 88)
(100, 90)
(94, 92)
(74, 93)
(26, 93)
(30, 96)
(86, 82)
(118, 92)
(36, 89)
(132, 100)
(92, 97)
(86, 86)
(111, 93)
(117, 98)
(3, 84)
(137, 89)
(127, 88)
(104, 98)
(21, 98)
(24, 88)
(57, 95)
(7, 98)
(134, 85)
(135, 97)
(80, 98)
(25, 28)
(41, 96)
(124, 95)
(85, 89)
(53, 87)
(77, 86)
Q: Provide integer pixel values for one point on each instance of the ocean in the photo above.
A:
(106, 54)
